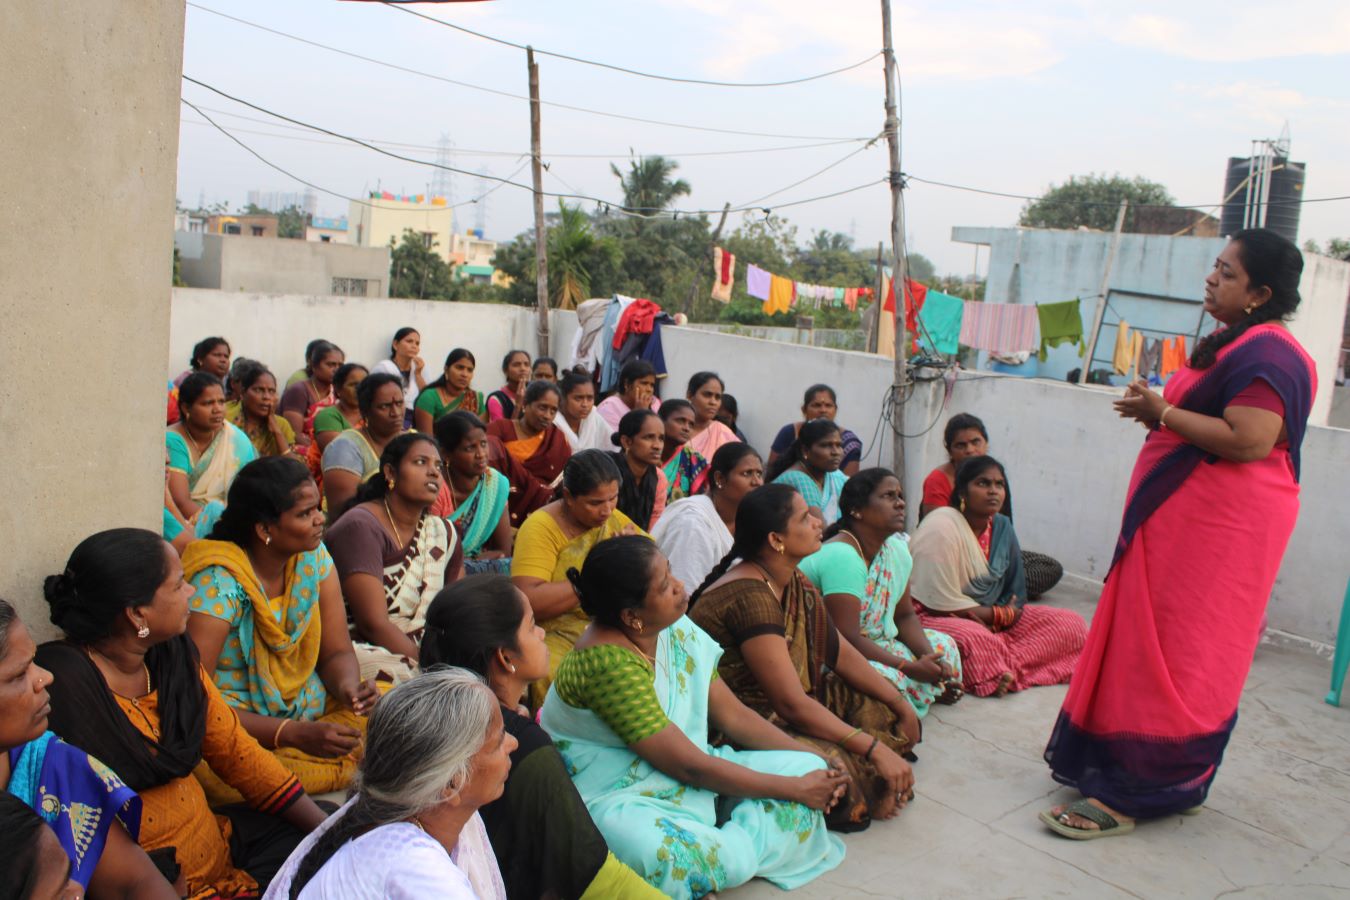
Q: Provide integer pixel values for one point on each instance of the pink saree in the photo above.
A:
(1154, 698)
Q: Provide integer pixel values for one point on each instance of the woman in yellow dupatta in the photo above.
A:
(556, 538)
(268, 619)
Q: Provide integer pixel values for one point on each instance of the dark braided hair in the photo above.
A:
(420, 743)
(1272, 261)
(856, 494)
(763, 511)
(20, 859)
(615, 575)
(471, 620)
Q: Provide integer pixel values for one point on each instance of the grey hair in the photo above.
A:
(420, 744)
(8, 616)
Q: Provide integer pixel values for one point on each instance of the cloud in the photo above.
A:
(1261, 101)
(1210, 31)
(930, 40)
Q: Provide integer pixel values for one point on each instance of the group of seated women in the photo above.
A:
(665, 678)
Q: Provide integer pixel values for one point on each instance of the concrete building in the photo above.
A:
(235, 263)
(93, 91)
(327, 231)
(1156, 286)
(243, 225)
(384, 218)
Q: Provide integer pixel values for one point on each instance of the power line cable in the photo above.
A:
(462, 151)
(434, 165)
(523, 97)
(626, 70)
(815, 174)
(1116, 203)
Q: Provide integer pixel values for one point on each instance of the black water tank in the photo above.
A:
(1286, 190)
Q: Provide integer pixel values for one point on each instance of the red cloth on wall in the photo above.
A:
(636, 319)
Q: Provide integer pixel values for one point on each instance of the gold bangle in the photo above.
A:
(276, 736)
(1162, 419)
(848, 737)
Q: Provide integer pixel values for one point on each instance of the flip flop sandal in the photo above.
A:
(1194, 810)
(1107, 824)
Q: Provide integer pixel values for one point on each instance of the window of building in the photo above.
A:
(350, 287)
(257, 230)
(325, 238)
(232, 229)
(428, 239)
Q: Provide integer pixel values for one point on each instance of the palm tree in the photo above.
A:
(570, 241)
(648, 187)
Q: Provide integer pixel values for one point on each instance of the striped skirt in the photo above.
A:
(1042, 648)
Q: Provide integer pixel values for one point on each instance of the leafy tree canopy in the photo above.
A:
(1093, 201)
(416, 271)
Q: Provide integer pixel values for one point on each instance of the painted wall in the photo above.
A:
(275, 328)
(1157, 283)
(374, 223)
(90, 93)
(242, 263)
(1069, 456)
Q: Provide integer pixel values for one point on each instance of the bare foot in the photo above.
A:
(1005, 682)
(1076, 821)
(951, 694)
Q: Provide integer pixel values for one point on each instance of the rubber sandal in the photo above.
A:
(1107, 824)
(1194, 810)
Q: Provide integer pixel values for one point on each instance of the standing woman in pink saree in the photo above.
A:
(1154, 698)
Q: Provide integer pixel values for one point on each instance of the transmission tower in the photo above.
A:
(480, 212)
(441, 183)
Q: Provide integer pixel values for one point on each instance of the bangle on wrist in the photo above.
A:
(868, 755)
(1162, 419)
(276, 736)
(848, 737)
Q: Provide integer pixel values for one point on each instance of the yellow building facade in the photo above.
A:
(384, 217)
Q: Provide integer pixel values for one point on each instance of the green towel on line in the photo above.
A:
(1060, 323)
(941, 317)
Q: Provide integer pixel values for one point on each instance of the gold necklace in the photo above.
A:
(650, 659)
(418, 822)
(135, 701)
(857, 543)
(398, 537)
(764, 572)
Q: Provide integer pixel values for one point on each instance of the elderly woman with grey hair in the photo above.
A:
(436, 751)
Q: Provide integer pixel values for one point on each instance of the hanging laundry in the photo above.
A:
(724, 273)
(865, 294)
(637, 318)
(838, 299)
(915, 295)
(851, 298)
(1060, 323)
(780, 295)
(999, 327)
(1173, 356)
(941, 319)
(1148, 364)
(1127, 348)
(757, 282)
(801, 294)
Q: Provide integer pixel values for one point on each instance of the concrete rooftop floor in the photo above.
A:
(1277, 824)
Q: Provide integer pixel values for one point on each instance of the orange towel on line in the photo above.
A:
(780, 295)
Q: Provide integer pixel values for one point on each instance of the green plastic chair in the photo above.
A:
(1341, 660)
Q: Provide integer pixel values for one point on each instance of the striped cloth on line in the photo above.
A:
(999, 327)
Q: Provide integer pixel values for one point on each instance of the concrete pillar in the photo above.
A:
(87, 178)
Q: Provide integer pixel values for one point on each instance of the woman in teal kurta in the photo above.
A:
(617, 713)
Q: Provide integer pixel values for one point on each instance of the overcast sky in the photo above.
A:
(1004, 96)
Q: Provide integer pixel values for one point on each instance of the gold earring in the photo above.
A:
(143, 632)
(510, 668)
(638, 626)
(267, 537)
(1249, 308)
(781, 548)
(963, 504)
(390, 482)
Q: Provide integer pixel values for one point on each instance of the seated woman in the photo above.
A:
(94, 816)
(729, 412)
(302, 401)
(255, 415)
(393, 556)
(819, 402)
(331, 421)
(536, 445)
(129, 689)
(708, 434)
(696, 532)
(811, 466)
(205, 451)
(545, 368)
(634, 708)
(583, 427)
(640, 437)
(684, 468)
(268, 619)
(210, 355)
(502, 403)
(557, 538)
(545, 842)
(405, 364)
(862, 571)
(32, 863)
(964, 437)
(968, 582)
(636, 390)
(436, 752)
(784, 659)
(301, 374)
(477, 495)
(452, 391)
(353, 457)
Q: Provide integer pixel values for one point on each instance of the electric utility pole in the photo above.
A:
(540, 232)
(899, 269)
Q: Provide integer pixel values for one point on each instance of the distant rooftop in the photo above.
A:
(338, 224)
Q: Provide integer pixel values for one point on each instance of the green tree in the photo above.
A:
(1335, 247)
(648, 187)
(416, 271)
(291, 221)
(1092, 201)
(572, 248)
